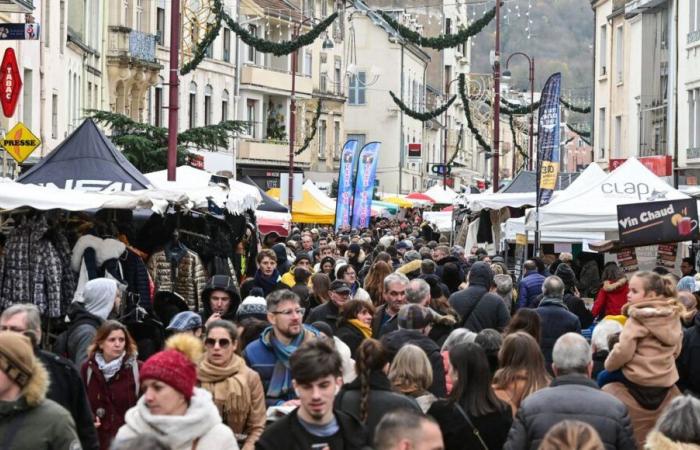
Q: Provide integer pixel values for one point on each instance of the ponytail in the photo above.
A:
(371, 356)
(660, 285)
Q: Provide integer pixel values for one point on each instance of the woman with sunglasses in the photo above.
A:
(236, 390)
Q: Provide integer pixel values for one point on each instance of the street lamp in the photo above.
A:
(444, 142)
(531, 77)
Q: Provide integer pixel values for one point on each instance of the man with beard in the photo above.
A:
(269, 354)
(316, 375)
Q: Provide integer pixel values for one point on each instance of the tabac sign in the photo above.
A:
(658, 222)
(19, 142)
(11, 82)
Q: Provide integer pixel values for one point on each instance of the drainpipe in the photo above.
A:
(401, 142)
(593, 108)
(674, 93)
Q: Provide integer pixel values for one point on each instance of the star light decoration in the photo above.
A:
(197, 16)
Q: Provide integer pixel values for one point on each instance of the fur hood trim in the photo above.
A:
(35, 391)
(658, 441)
(609, 286)
(658, 315)
(105, 250)
(410, 267)
(360, 257)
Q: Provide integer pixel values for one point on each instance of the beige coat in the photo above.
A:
(657, 441)
(649, 343)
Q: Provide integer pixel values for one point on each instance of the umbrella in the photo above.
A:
(420, 196)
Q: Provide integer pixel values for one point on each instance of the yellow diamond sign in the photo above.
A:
(19, 142)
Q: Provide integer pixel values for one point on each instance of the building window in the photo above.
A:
(338, 73)
(54, 116)
(323, 68)
(207, 105)
(602, 50)
(62, 22)
(324, 8)
(694, 18)
(47, 24)
(160, 25)
(360, 138)
(694, 118)
(89, 95)
(617, 151)
(251, 107)
(139, 15)
(448, 26)
(251, 55)
(308, 10)
(224, 106)
(227, 45)
(158, 107)
(209, 52)
(27, 98)
(357, 89)
(322, 139)
(601, 133)
(336, 139)
(193, 105)
(619, 52)
(308, 63)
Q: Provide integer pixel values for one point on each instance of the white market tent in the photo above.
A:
(196, 185)
(442, 196)
(595, 208)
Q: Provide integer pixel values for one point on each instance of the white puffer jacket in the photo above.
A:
(201, 421)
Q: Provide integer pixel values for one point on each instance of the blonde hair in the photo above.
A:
(572, 435)
(411, 371)
(662, 286)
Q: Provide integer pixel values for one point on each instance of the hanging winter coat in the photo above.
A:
(179, 270)
(130, 269)
(89, 255)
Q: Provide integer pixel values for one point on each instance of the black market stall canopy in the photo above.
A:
(526, 181)
(271, 216)
(86, 161)
(268, 203)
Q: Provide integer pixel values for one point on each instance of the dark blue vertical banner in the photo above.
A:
(346, 179)
(364, 185)
(548, 138)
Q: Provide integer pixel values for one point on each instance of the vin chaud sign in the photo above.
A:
(658, 222)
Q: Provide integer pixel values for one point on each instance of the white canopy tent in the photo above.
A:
(442, 196)
(595, 209)
(512, 227)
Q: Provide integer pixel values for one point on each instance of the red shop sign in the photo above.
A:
(662, 166)
(11, 82)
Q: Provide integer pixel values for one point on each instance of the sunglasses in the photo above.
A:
(211, 342)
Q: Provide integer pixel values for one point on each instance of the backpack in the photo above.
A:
(60, 346)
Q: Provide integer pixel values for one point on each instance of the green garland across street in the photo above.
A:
(470, 124)
(423, 117)
(443, 41)
(314, 127)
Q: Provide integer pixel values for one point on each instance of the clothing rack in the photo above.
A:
(192, 233)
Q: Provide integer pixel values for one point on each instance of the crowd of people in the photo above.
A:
(389, 339)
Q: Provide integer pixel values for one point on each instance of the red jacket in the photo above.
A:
(611, 298)
(114, 397)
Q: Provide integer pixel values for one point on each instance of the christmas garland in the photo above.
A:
(312, 135)
(445, 40)
(279, 48)
(202, 46)
(583, 134)
(573, 108)
(457, 146)
(423, 117)
(465, 103)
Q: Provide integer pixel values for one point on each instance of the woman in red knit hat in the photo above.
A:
(171, 407)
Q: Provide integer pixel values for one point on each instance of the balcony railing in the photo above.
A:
(142, 46)
(693, 153)
(693, 36)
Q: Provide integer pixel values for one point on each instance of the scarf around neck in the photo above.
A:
(281, 380)
(363, 327)
(227, 385)
(267, 283)
(109, 369)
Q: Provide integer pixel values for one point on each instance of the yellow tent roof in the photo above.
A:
(308, 210)
(400, 202)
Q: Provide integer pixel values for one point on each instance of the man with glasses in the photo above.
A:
(269, 355)
(329, 311)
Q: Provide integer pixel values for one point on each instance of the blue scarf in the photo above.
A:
(268, 284)
(281, 380)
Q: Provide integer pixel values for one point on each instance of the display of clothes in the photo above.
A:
(178, 269)
(33, 268)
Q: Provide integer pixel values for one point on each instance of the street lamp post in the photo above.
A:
(531, 78)
(444, 142)
(497, 98)
(173, 86)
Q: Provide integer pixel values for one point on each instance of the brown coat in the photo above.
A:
(643, 420)
(649, 343)
(187, 279)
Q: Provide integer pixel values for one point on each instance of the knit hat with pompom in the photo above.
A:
(176, 366)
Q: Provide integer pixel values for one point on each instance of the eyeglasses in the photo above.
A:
(289, 312)
(211, 342)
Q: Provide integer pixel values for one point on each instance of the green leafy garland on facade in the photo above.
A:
(467, 112)
(314, 127)
(445, 40)
(423, 117)
(584, 135)
(199, 53)
(569, 106)
(279, 48)
(458, 146)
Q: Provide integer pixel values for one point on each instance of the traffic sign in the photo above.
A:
(439, 169)
(19, 142)
(11, 82)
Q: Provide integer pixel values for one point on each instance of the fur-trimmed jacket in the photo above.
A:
(179, 270)
(89, 254)
(611, 298)
(35, 422)
(658, 441)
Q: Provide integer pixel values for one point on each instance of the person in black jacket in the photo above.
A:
(555, 318)
(688, 361)
(355, 324)
(316, 370)
(414, 325)
(479, 308)
(369, 397)
(571, 395)
(329, 311)
(220, 299)
(571, 295)
(66, 386)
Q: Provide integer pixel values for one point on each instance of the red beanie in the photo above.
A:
(173, 367)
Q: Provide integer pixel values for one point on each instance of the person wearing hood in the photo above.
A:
(267, 277)
(101, 296)
(183, 416)
(355, 256)
(220, 299)
(283, 263)
(28, 420)
(236, 389)
(302, 260)
(442, 255)
(477, 307)
(111, 376)
(613, 296)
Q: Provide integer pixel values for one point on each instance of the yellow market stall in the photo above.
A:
(308, 210)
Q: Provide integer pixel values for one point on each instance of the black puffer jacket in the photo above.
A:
(396, 339)
(220, 283)
(573, 397)
(283, 264)
(688, 362)
(490, 311)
